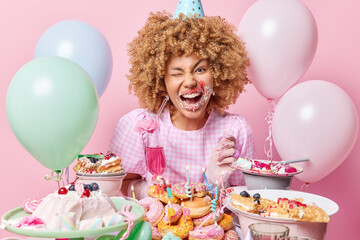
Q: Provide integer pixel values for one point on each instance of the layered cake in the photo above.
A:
(98, 163)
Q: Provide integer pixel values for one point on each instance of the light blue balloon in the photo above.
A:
(81, 43)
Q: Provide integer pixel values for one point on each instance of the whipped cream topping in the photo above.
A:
(106, 161)
(240, 204)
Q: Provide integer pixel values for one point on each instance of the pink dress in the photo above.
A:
(182, 148)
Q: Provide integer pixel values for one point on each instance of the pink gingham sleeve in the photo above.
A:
(244, 144)
(128, 143)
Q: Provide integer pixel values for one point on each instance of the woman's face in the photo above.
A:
(189, 84)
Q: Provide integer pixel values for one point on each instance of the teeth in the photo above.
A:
(191, 95)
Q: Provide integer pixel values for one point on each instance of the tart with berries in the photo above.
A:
(98, 163)
(282, 208)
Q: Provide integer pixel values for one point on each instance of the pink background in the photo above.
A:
(23, 22)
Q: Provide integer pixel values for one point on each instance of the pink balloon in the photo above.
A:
(281, 40)
(317, 120)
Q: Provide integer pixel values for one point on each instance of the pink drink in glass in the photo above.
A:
(155, 160)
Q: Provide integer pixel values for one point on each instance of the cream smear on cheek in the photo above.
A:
(205, 92)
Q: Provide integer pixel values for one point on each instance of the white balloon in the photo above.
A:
(281, 40)
(316, 120)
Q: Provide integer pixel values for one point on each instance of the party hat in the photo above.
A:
(190, 8)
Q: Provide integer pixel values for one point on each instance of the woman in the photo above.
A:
(199, 64)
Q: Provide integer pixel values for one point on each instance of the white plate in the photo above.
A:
(273, 174)
(329, 206)
(121, 173)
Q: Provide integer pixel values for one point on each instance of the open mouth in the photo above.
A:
(193, 99)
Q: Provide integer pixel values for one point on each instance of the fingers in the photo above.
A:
(226, 168)
(226, 153)
(226, 143)
(227, 160)
(229, 137)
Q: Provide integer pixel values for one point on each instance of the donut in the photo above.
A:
(31, 205)
(198, 206)
(208, 219)
(175, 217)
(152, 192)
(231, 235)
(214, 232)
(181, 228)
(155, 235)
(197, 189)
(154, 210)
(227, 222)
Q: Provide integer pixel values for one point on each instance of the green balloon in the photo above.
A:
(52, 107)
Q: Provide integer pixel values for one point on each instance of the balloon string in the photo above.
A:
(268, 119)
(57, 175)
(67, 175)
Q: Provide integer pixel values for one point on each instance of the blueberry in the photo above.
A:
(93, 160)
(72, 187)
(112, 155)
(245, 194)
(257, 201)
(87, 187)
(94, 186)
(256, 196)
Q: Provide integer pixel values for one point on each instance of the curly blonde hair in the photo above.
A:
(211, 38)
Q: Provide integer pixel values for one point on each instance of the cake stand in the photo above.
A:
(141, 230)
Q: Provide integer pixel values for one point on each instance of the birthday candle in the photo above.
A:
(157, 185)
(186, 211)
(222, 194)
(213, 202)
(187, 174)
(171, 212)
(216, 191)
(168, 190)
(162, 185)
(222, 179)
(133, 193)
(203, 170)
(187, 185)
(208, 185)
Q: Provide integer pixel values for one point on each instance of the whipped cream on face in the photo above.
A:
(205, 94)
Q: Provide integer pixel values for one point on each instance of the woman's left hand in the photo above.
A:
(221, 159)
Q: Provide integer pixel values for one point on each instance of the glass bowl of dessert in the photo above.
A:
(304, 213)
(267, 174)
(105, 170)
